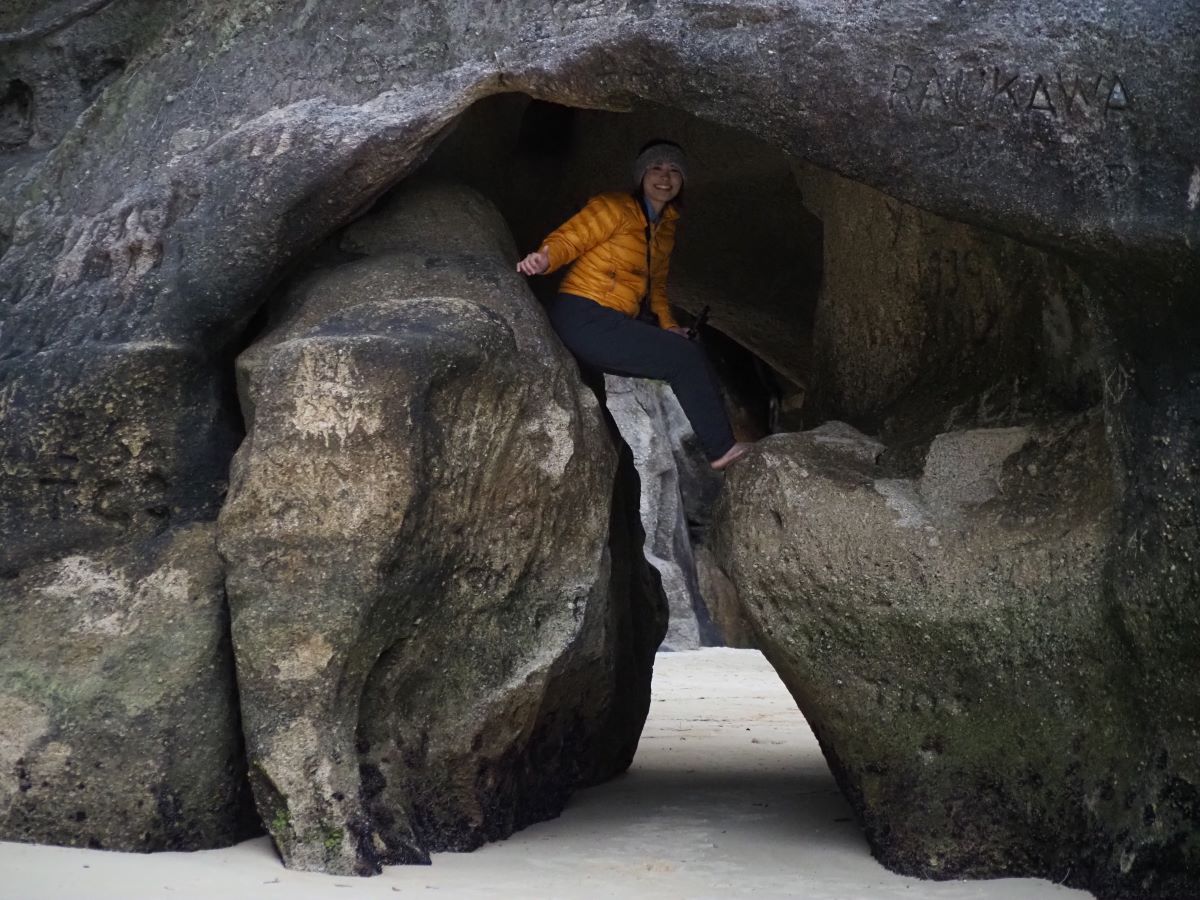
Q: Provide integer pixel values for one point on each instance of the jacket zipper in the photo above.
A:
(644, 305)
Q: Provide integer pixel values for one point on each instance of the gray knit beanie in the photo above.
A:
(659, 152)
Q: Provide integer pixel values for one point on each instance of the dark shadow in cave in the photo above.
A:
(744, 232)
(16, 115)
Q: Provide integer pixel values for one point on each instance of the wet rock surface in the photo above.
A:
(435, 640)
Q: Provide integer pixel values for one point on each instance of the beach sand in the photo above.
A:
(728, 796)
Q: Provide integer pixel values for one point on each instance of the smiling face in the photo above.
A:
(661, 184)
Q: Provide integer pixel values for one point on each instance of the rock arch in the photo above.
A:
(141, 240)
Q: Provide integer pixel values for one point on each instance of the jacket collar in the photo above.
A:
(669, 211)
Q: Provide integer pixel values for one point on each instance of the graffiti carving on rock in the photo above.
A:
(977, 94)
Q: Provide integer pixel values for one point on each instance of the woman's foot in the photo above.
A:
(736, 452)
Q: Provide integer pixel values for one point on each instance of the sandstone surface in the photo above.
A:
(434, 642)
(118, 714)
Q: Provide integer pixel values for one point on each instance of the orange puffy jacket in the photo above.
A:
(606, 240)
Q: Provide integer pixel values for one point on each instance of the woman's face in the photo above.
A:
(662, 183)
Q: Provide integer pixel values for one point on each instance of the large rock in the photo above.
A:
(118, 721)
(117, 680)
(957, 111)
(434, 643)
(950, 640)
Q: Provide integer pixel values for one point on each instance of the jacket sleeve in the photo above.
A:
(592, 225)
(658, 294)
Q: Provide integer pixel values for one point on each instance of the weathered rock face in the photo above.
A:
(433, 648)
(949, 639)
(109, 444)
(652, 423)
(117, 678)
(239, 135)
(117, 709)
(55, 73)
(924, 323)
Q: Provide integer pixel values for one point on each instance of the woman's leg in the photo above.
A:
(611, 342)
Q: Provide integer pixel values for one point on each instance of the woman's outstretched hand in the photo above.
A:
(535, 263)
(680, 330)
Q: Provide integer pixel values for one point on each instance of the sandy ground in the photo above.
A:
(729, 796)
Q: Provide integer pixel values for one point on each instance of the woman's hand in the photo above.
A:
(680, 330)
(535, 263)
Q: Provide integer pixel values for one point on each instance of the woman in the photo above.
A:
(612, 310)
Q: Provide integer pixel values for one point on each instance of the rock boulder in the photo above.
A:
(950, 640)
(164, 166)
(118, 718)
(435, 643)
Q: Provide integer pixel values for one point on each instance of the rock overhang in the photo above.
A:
(958, 111)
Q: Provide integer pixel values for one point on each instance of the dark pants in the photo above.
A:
(604, 339)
